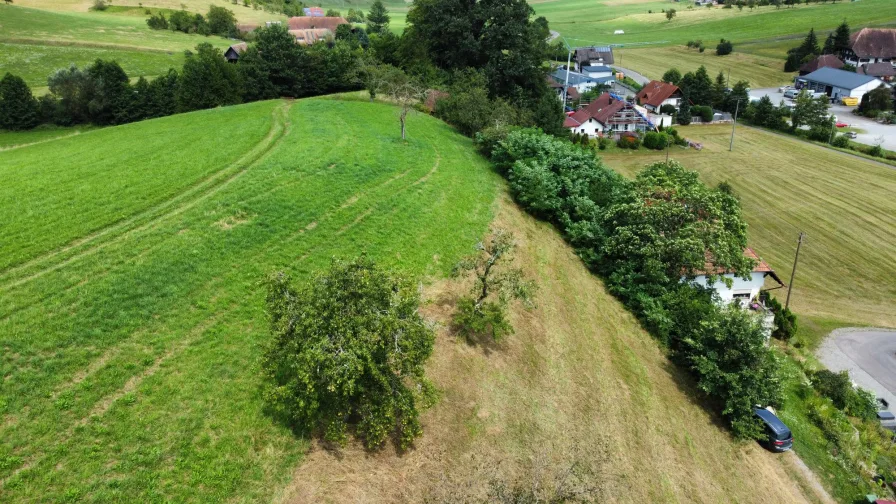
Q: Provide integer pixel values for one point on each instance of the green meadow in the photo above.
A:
(131, 305)
(34, 43)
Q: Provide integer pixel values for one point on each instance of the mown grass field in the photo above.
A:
(131, 311)
(652, 62)
(242, 13)
(34, 43)
(12, 139)
(843, 203)
(131, 321)
(579, 381)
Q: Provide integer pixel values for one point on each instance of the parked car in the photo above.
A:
(783, 89)
(851, 134)
(778, 437)
(791, 93)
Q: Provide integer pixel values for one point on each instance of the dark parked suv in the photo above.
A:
(778, 437)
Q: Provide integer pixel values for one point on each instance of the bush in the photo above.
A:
(349, 346)
(657, 141)
(628, 142)
(785, 320)
(603, 143)
(99, 5)
(705, 112)
(19, 110)
(724, 48)
(668, 109)
(157, 22)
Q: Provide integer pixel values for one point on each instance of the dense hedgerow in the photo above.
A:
(644, 236)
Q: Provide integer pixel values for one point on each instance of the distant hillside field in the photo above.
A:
(844, 204)
(130, 307)
(34, 43)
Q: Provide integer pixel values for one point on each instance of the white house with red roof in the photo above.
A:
(745, 291)
(607, 115)
(655, 94)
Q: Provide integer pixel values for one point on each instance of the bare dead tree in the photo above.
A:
(405, 91)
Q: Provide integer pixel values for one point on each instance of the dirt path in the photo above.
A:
(796, 462)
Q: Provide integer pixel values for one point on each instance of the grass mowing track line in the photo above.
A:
(303, 184)
(194, 194)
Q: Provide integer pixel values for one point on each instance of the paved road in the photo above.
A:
(873, 130)
(868, 354)
(640, 79)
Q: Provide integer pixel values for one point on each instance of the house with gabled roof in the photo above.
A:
(823, 61)
(315, 23)
(748, 292)
(882, 71)
(655, 94)
(581, 82)
(608, 115)
(871, 45)
(592, 56)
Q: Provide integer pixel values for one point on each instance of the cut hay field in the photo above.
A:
(844, 204)
(652, 62)
(131, 320)
(34, 43)
(243, 14)
(579, 381)
(130, 308)
(586, 22)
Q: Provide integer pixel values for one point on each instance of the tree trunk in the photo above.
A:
(401, 118)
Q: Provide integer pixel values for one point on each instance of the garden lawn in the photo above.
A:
(844, 204)
(131, 310)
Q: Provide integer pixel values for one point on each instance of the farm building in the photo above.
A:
(823, 61)
(607, 115)
(308, 37)
(313, 11)
(741, 290)
(655, 94)
(871, 45)
(838, 83)
(592, 56)
(883, 71)
(315, 23)
(232, 55)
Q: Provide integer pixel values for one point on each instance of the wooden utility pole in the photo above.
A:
(793, 272)
(733, 126)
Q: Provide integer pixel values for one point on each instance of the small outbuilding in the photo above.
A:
(232, 55)
(838, 83)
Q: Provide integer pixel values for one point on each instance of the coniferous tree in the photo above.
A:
(828, 44)
(841, 39)
(377, 18)
(18, 108)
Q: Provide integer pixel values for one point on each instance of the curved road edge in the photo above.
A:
(867, 353)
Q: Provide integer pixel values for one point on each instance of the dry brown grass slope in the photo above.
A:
(579, 379)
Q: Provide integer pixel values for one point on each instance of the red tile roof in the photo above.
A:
(312, 22)
(760, 266)
(873, 43)
(654, 93)
(826, 60)
(877, 70)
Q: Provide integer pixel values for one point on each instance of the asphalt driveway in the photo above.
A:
(869, 355)
(873, 131)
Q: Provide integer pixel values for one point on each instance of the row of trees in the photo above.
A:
(218, 21)
(836, 43)
(698, 90)
(644, 236)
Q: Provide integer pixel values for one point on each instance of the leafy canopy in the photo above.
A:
(348, 347)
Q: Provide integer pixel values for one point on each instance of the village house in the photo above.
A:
(581, 82)
(598, 71)
(871, 45)
(882, 71)
(592, 56)
(823, 61)
(745, 292)
(310, 29)
(655, 94)
(608, 115)
(232, 55)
